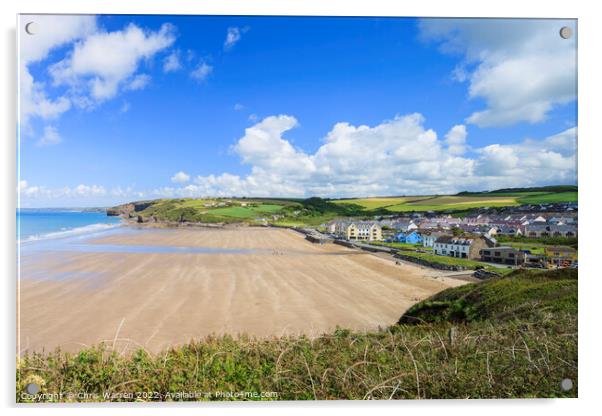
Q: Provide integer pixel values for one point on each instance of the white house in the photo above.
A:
(461, 247)
(429, 240)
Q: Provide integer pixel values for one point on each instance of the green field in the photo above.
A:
(316, 211)
(444, 203)
(509, 337)
(431, 203)
(549, 198)
(374, 203)
(460, 202)
(402, 246)
(532, 247)
(247, 212)
(208, 210)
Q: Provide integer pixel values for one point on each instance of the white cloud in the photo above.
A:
(22, 185)
(125, 193)
(263, 146)
(522, 68)
(171, 63)
(238, 107)
(232, 36)
(94, 69)
(551, 160)
(180, 177)
(51, 136)
(456, 139)
(104, 61)
(201, 72)
(55, 31)
(139, 82)
(40, 192)
(398, 156)
(125, 107)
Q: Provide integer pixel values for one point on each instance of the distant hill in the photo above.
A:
(550, 189)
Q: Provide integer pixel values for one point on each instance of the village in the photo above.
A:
(534, 236)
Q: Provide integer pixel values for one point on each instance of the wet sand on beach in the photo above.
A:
(156, 300)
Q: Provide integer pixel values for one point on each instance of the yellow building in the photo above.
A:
(560, 256)
(367, 231)
(356, 230)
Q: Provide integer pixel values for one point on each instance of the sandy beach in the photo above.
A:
(276, 284)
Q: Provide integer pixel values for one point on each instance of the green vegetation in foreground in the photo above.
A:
(530, 295)
(512, 337)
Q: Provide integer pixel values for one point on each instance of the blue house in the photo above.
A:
(409, 238)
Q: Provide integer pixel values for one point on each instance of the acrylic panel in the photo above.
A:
(296, 208)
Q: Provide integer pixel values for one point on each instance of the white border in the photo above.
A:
(590, 137)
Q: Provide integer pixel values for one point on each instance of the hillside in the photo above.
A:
(521, 295)
(504, 338)
(310, 211)
(314, 211)
(468, 200)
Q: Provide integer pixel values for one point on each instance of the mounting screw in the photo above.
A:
(566, 384)
(32, 388)
(31, 28)
(566, 32)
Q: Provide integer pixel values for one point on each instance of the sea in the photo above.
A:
(48, 223)
(59, 230)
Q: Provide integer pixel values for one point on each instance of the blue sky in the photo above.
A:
(117, 108)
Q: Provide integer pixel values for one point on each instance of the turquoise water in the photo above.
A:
(36, 224)
(54, 230)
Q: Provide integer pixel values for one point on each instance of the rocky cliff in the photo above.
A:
(128, 210)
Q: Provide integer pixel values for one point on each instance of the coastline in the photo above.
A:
(284, 286)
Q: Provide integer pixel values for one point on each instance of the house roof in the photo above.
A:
(551, 228)
(450, 239)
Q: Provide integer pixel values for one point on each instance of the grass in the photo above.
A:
(549, 198)
(444, 203)
(207, 211)
(247, 212)
(467, 200)
(379, 202)
(543, 241)
(401, 246)
(504, 338)
(534, 248)
(454, 261)
(315, 211)
(528, 295)
(430, 203)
